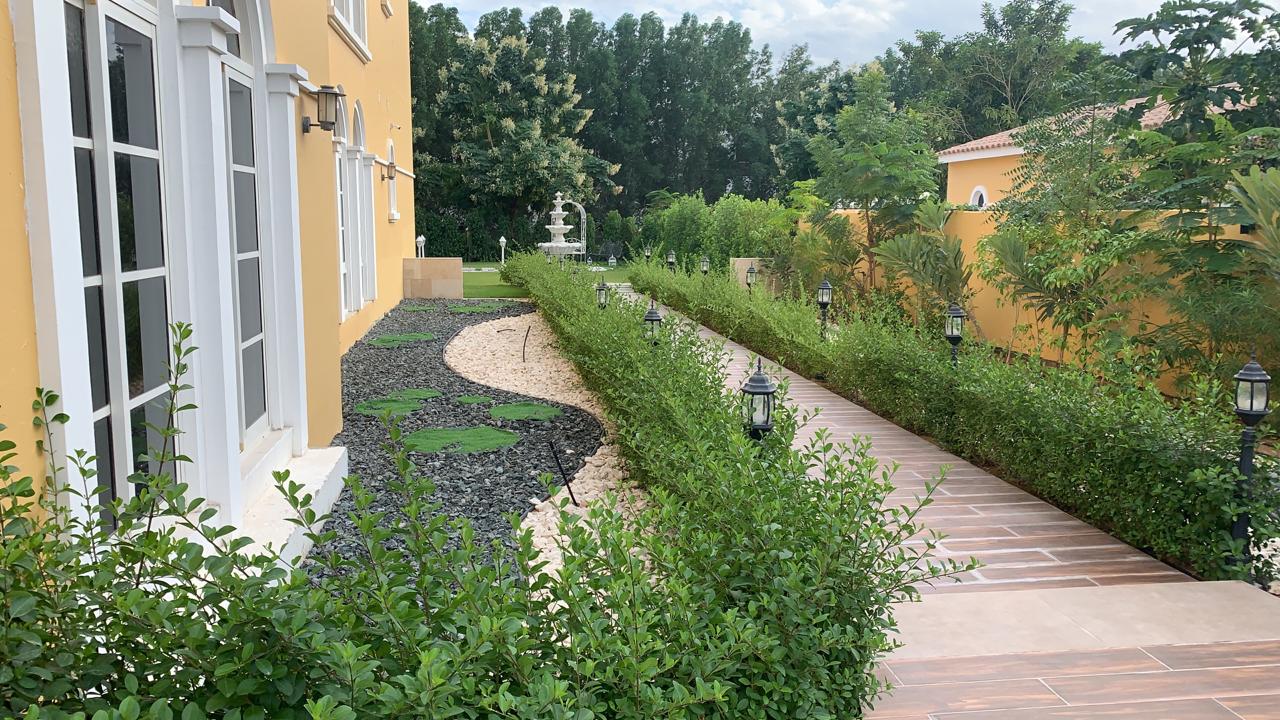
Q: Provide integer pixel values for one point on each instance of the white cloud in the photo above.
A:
(851, 31)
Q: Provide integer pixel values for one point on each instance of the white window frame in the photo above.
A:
(350, 19)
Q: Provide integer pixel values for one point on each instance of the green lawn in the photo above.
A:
(490, 285)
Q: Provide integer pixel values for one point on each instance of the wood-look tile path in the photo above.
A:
(1062, 621)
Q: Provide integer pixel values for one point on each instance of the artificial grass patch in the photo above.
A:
(395, 341)
(524, 411)
(400, 402)
(474, 399)
(460, 440)
(484, 307)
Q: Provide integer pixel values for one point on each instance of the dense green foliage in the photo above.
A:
(753, 581)
(1110, 451)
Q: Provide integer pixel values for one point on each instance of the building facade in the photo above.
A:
(164, 164)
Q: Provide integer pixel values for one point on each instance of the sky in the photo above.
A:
(851, 31)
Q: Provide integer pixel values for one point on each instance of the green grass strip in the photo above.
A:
(460, 440)
(395, 341)
(524, 411)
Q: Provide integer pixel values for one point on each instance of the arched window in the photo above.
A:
(361, 163)
(978, 198)
(343, 197)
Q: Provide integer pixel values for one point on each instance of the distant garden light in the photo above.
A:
(671, 260)
(602, 295)
(758, 394)
(705, 265)
(954, 330)
(652, 321)
(421, 242)
(613, 261)
(1253, 402)
(751, 276)
(824, 303)
(502, 245)
(648, 253)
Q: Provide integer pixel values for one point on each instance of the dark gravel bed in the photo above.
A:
(482, 487)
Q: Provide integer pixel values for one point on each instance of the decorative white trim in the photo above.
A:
(986, 197)
(1006, 151)
(348, 35)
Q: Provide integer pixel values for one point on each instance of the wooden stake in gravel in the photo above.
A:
(525, 346)
(569, 486)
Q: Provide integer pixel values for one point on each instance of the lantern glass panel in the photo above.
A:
(759, 409)
(824, 296)
(1251, 396)
(955, 326)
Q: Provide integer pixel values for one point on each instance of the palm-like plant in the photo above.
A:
(933, 261)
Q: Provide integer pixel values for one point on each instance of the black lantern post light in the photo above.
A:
(1252, 405)
(648, 253)
(652, 321)
(757, 402)
(824, 303)
(751, 277)
(954, 331)
(705, 265)
(671, 260)
(602, 294)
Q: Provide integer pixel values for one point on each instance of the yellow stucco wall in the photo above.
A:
(19, 372)
(381, 87)
(991, 173)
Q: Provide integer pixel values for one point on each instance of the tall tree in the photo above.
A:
(876, 163)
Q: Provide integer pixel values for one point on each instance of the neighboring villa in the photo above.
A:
(184, 160)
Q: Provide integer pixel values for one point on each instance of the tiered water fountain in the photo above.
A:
(558, 246)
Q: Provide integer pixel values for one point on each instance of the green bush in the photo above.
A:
(1114, 453)
(755, 582)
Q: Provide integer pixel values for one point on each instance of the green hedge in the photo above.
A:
(1115, 453)
(756, 581)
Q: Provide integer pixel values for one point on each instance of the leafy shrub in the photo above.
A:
(1114, 453)
(755, 582)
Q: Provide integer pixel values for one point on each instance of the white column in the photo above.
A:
(53, 223)
(207, 236)
(283, 247)
(370, 247)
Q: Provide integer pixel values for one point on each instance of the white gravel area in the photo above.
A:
(490, 354)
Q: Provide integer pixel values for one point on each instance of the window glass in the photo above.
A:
(148, 440)
(254, 385)
(78, 72)
(241, 100)
(94, 315)
(139, 212)
(132, 86)
(87, 202)
(105, 460)
(146, 334)
(250, 302)
(245, 186)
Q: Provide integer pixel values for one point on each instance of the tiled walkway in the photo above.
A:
(1061, 621)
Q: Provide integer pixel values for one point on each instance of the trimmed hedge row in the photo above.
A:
(1115, 454)
(742, 587)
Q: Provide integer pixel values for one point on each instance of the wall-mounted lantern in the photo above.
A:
(327, 99)
(751, 277)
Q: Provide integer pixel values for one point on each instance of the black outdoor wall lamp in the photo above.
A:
(327, 99)
(751, 277)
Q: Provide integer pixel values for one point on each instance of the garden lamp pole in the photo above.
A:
(954, 331)
(671, 260)
(1252, 405)
(652, 321)
(824, 302)
(421, 242)
(751, 276)
(602, 294)
(757, 402)
(648, 253)
(705, 265)
(502, 245)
